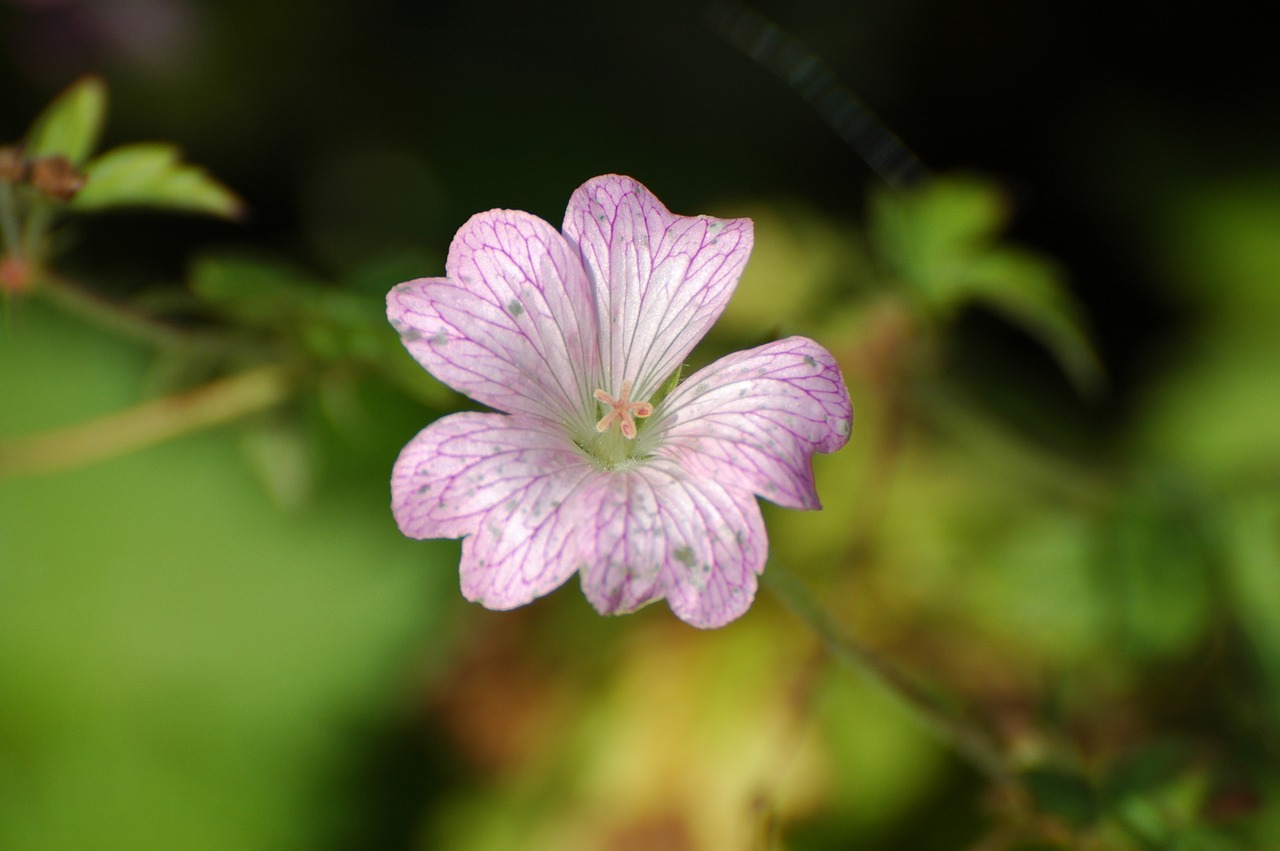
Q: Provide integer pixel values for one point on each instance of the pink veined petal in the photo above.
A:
(510, 325)
(455, 470)
(655, 531)
(661, 280)
(754, 419)
(499, 480)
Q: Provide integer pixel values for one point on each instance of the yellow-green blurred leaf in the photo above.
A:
(71, 124)
(153, 175)
(927, 236)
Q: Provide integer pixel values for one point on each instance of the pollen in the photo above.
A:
(623, 411)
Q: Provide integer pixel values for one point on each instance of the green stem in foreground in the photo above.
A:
(969, 740)
(152, 422)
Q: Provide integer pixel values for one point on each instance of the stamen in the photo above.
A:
(623, 410)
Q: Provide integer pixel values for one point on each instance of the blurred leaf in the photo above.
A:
(1253, 568)
(1154, 569)
(71, 124)
(331, 325)
(1145, 822)
(943, 243)
(926, 237)
(1028, 290)
(1062, 793)
(1146, 770)
(152, 174)
(260, 293)
(1217, 407)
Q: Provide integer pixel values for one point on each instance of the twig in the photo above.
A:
(970, 741)
(149, 423)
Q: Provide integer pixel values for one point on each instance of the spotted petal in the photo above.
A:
(661, 279)
(756, 418)
(656, 531)
(506, 326)
(500, 480)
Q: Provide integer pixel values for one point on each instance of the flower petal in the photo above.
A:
(500, 480)
(458, 468)
(510, 325)
(655, 531)
(754, 419)
(661, 280)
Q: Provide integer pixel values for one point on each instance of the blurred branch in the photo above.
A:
(811, 78)
(964, 736)
(103, 313)
(112, 435)
(10, 228)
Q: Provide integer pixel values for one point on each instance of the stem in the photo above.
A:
(39, 217)
(153, 422)
(108, 315)
(965, 737)
(10, 228)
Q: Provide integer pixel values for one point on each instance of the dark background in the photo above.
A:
(397, 120)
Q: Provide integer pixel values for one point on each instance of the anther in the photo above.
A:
(623, 410)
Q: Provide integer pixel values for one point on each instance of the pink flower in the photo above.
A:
(589, 469)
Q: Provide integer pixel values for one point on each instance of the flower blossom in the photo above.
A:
(596, 464)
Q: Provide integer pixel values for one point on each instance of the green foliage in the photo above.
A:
(71, 124)
(942, 242)
(153, 175)
(1063, 793)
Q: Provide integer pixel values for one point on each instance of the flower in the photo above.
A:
(590, 468)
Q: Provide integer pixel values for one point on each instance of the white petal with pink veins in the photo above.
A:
(656, 531)
(755, 418)
(511, 324)
(661, 279)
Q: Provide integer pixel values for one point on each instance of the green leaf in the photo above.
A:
(1146, 770)
(927, 236)
(1028, 290)
(153, 175)
(943, 244)
(71, 124)
(262, 293)
(1062, 793)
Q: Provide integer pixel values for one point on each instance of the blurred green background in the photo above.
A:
(1059, 507)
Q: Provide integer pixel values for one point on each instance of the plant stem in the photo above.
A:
(39, 218)
(108, 315)
(969, 740)
(152, 422)
(10, 228)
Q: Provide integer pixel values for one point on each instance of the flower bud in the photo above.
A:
(56, 177)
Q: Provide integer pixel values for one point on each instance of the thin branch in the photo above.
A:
(961, 734)
(147, 424)
(107, 315)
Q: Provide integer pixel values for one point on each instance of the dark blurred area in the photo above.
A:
(354, 124)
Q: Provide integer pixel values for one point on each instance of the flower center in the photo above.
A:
(622, 410)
